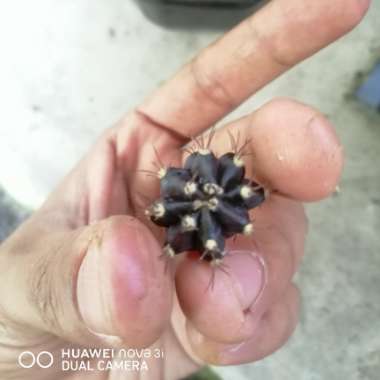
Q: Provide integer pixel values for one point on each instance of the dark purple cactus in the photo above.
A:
(204, 203)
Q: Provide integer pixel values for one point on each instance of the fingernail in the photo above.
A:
(214, 352)
(108, 340)
(248, 271)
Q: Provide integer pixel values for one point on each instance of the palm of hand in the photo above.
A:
(131, 310)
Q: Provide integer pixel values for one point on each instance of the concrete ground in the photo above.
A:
(70, 69)
(11, 215)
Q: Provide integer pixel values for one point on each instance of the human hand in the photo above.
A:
(83, 271)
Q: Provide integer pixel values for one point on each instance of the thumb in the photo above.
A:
(122, 288)
(86, 285)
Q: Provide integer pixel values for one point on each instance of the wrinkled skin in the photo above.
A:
(84, 270)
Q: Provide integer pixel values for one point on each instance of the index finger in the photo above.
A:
(274, 39)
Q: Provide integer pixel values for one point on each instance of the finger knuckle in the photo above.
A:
(271, 47)
(210, 84)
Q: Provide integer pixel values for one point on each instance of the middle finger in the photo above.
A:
(292, 148)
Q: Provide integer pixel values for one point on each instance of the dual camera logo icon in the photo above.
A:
(28, 359)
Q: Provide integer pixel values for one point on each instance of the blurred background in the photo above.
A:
(69, 69)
